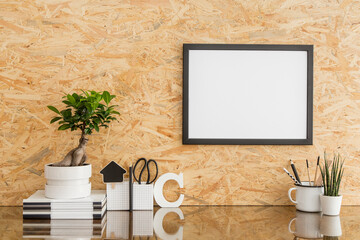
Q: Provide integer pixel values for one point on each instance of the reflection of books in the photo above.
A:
(38, 206)
(56, 233)
(40, 228)
(64, 214)
(64, 223)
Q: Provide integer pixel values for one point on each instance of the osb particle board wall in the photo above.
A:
(134, 50)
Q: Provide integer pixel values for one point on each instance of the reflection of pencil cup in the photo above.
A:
(143, 224)
(307, 225)
(330, 226)
(307, 197)
(143, 196)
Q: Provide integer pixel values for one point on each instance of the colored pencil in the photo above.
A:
(292, 177)
(294, 171)
(307, 166)
(317, 166)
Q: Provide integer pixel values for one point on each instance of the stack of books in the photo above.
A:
(81, 217)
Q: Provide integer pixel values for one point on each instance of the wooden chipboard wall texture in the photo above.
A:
(134, 50)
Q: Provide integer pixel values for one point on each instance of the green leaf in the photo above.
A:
(67, 102)
(96, 127)
(71, 98)
(55, 119)
(89, 108)
(88, 131)
(66, 113)
(100, 115)
(76, 97)
(64, 127)
(115, 112)
(54, 109)
(86, 93)
(106, 96)
(98, 98)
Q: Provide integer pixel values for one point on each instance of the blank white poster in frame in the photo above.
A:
(242, 94)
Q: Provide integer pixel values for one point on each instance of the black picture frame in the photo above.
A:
(240, 141)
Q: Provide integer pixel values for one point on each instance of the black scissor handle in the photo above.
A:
(142, 170)
(148, 170)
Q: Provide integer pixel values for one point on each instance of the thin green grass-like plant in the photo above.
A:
(332, 174)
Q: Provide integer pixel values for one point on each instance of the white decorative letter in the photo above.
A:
(158, 189)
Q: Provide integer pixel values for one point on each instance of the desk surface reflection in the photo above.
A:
(238, 222)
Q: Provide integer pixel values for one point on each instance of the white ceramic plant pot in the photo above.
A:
(67, 182)
(330, 226)
(330, 205)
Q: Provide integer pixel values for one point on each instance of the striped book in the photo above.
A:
(38, 206)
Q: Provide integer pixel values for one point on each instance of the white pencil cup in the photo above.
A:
(307, 197)
(143, 196)
(118, 196)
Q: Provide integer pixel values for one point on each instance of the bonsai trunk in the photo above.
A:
(77, 156)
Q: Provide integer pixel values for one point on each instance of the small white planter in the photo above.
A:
(330, 205)
(67, 182)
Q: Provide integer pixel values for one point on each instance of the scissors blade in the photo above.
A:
(148, 170)
(141, 171)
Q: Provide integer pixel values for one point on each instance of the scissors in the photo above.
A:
(146, 165)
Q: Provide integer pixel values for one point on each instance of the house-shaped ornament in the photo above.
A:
(113, 173)
(117, 190)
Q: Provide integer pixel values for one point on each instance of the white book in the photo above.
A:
(38, 198)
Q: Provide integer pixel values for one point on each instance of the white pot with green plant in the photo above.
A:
(87, 112)
(331, 174)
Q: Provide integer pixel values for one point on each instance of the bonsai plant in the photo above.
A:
(83, 112)
(331, 174)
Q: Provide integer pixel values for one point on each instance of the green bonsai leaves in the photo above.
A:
(87, 111)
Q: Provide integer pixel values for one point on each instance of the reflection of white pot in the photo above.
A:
(330, 226)
(67, 182)
(330, 205)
